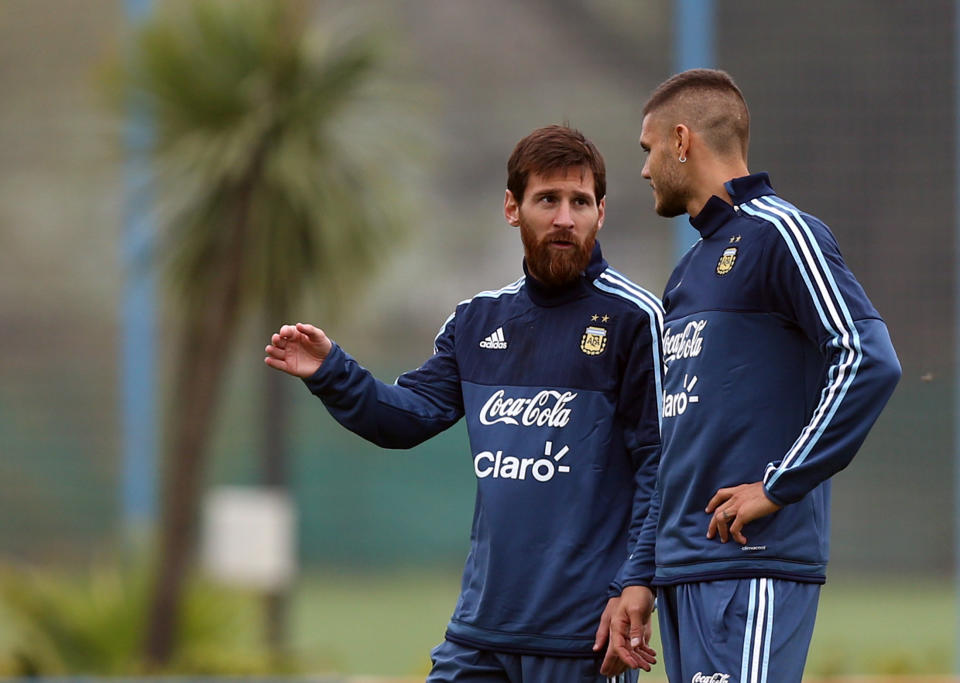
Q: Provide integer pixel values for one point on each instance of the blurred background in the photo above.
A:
(153, 156)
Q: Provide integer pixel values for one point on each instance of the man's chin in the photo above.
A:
(564, 269)
(670, 211)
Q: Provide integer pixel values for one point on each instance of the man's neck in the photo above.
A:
(712, 183)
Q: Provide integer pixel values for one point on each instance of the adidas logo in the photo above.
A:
(494, 341)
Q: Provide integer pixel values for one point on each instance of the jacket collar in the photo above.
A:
(545, 295)
(716, 211)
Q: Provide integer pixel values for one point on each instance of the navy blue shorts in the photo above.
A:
(453, 663)
(737, 630)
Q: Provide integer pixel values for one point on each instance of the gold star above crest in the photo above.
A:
(605, 318)
(594, 318)
(735, 238)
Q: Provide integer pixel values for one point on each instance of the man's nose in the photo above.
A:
(564, 216)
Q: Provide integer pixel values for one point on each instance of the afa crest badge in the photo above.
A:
(727, 259)
(594, 341)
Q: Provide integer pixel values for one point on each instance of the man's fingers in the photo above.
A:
(314, 334)
(646, 654)
(720, 523)
(612, 665)
(624, 655)
(640, 636)
(603, 630)
(722, 527)
(719, 498)
(275, 351)
(636, 630)
(636, 645)
(276, 364)
(646, 658)
(617, 655)
(736, 530)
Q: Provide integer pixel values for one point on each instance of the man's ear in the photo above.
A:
(511, 209)
(602, 208)
(681, 138)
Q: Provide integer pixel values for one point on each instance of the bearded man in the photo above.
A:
(559, 377)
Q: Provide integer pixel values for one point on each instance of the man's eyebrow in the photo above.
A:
(578, 194)
(545, 191)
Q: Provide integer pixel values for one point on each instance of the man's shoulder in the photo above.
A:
(487, 302)
(626, 294)
(493, 297)
(773, 211)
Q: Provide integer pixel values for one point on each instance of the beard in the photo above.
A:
(555, 267)
(670, 198)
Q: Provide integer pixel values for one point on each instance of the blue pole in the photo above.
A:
(693, 45)
(138, 349)
(956, 317)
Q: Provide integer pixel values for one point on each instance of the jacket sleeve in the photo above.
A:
(420, 404)
(812, 288)
(641, 565)
(639, 409)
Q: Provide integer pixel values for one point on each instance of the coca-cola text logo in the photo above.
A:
(710, 678)
(686, 344)
(548, 408)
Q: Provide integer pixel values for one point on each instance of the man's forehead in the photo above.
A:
(650, 122)
(581, 175)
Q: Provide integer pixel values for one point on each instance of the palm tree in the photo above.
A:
(266, 192)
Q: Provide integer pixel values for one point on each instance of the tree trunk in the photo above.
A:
(213, 314)
(201, 361)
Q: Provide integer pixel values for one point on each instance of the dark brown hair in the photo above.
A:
(709, 101)
(554, 148)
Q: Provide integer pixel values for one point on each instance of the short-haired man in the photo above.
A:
(777, 367)
(559, 376)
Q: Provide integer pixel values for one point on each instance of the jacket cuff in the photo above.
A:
(331, 367)
(774, 498)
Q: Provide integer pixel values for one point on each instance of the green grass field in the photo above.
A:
(356, 626)
(385, 625)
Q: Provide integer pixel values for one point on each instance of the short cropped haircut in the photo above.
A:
(550, 149)
(710, 103)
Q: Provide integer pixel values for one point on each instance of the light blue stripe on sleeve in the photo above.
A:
(655, 317)
(826, 297)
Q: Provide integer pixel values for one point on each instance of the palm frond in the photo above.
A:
(253, 107)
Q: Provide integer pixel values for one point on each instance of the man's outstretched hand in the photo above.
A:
(298, 350)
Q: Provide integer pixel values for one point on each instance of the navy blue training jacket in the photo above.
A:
(777, 367)
(561, 391)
